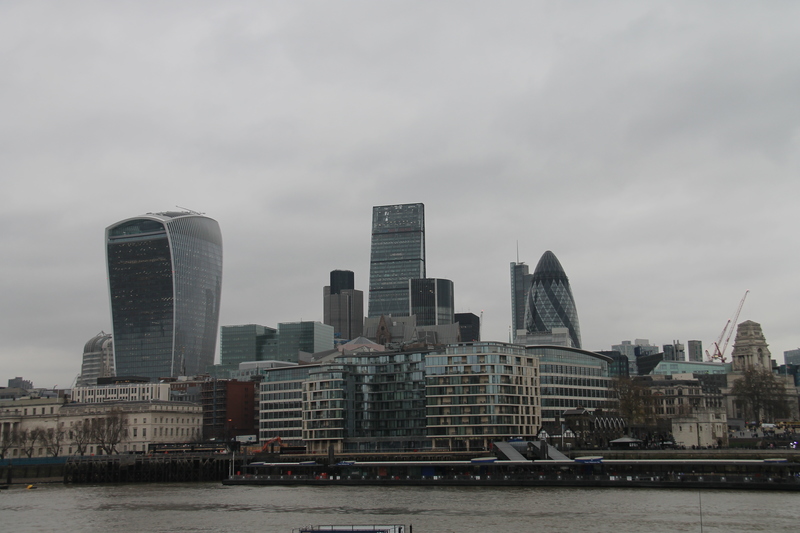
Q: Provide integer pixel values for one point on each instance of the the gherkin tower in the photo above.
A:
(550, 302)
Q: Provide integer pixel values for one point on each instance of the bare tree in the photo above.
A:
(81, 435)
(53, 439)
(110, 431)
(8, 440)
(635, 401)
(761, 395)
(27, 439)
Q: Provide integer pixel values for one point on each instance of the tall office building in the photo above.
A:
(674, 352)
(343, 305)
(550, 301)
(397, 255)
(245, 343)
(431, 301)
(342, 280)
(165, 281)
(695, 351)
(309, 337)
(792, 357)
(469, 324)
(520, 284)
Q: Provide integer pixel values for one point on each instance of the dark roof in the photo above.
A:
(549, 268)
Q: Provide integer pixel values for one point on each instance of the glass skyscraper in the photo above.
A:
(550, 301)
(165, 281)
(431, 301)
(246, 342)
(343, 305)
(309, 337)
(397, 255)
(520, 283)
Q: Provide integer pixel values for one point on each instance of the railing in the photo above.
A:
(678, 478)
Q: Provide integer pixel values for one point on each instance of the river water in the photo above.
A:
(207, 507)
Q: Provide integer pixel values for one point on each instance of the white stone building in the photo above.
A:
(59, 424)
(703, 428)
(122, 392)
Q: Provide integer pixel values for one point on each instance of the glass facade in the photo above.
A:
(310, 337)
(344, 310)
(342, 280)
(550, 301)
(571, 378)
(397, 255)
(248, 342)
(367, 402)
(520, 283)
(165, 281)
(431, 301)
(469, 325)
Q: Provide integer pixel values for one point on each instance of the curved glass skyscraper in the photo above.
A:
(550, 301)
(165, 281)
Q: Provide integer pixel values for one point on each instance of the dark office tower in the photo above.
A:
(695, 351)
(520, 283)
(343, 306)
(431, 301)
(550, 301)
(342, 280)
(398, 254)
(470, 326)
(164, 280)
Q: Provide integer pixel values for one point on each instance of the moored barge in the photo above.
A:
(767, 474)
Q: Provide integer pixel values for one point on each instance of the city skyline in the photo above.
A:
(652, 148)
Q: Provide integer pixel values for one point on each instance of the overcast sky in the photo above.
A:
(654, 147)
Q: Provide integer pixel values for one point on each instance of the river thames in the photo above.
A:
(207, 507)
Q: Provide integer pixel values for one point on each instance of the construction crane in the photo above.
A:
(269, 445)
(719, 352)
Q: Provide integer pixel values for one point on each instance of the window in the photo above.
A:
(144, 432)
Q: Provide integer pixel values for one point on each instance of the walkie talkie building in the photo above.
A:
(165, 281)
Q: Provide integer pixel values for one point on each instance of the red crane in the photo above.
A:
(719, 353)
(269, 445)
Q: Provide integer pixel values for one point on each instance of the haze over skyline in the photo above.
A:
(653, 147)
